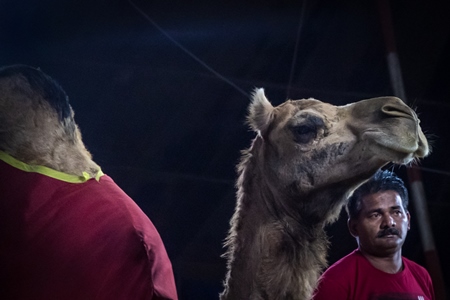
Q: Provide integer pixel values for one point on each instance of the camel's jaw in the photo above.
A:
(394, 155)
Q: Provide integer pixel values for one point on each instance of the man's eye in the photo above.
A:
(304, 133)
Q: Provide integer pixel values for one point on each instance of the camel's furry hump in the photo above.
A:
(41, 83)
(67, 231)
(32, 83)
(37, 122)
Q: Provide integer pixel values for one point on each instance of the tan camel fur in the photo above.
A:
(37, 125)
(307, 158)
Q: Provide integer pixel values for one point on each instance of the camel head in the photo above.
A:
(307, 145)
(37, 122)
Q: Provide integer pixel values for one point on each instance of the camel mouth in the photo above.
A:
(406, 147)
(405, 161)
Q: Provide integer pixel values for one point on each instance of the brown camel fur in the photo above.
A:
(37, 125)
(307, 158)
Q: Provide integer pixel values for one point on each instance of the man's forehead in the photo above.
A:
(382, 199)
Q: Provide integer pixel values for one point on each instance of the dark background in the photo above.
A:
(169, 130)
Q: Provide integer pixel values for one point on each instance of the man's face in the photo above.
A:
(382, 224)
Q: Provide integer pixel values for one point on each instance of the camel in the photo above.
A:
(67, 230)
(305, 161)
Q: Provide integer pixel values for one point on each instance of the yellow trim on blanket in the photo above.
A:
(47, 171)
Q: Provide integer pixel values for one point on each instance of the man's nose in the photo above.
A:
(387, 221)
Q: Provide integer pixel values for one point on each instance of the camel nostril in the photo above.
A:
(397, 110)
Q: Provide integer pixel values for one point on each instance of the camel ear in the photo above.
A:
(260, 111)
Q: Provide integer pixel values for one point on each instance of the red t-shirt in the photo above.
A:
(85, 240)
(354, 278)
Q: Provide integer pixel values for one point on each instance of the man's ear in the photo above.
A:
(352, 227)
(409, 220)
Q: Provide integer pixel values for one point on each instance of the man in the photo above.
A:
(379, 220)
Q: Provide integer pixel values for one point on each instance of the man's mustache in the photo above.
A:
(388, 231)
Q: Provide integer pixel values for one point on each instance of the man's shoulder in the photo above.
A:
(415, 268)
(420, 275)
(346, 263)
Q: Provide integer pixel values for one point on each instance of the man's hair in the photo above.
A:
(380, 182)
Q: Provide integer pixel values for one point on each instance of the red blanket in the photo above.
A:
(84, 240)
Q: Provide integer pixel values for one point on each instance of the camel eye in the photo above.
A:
(303, 134)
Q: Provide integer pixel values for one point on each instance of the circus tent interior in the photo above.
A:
(160, 90)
